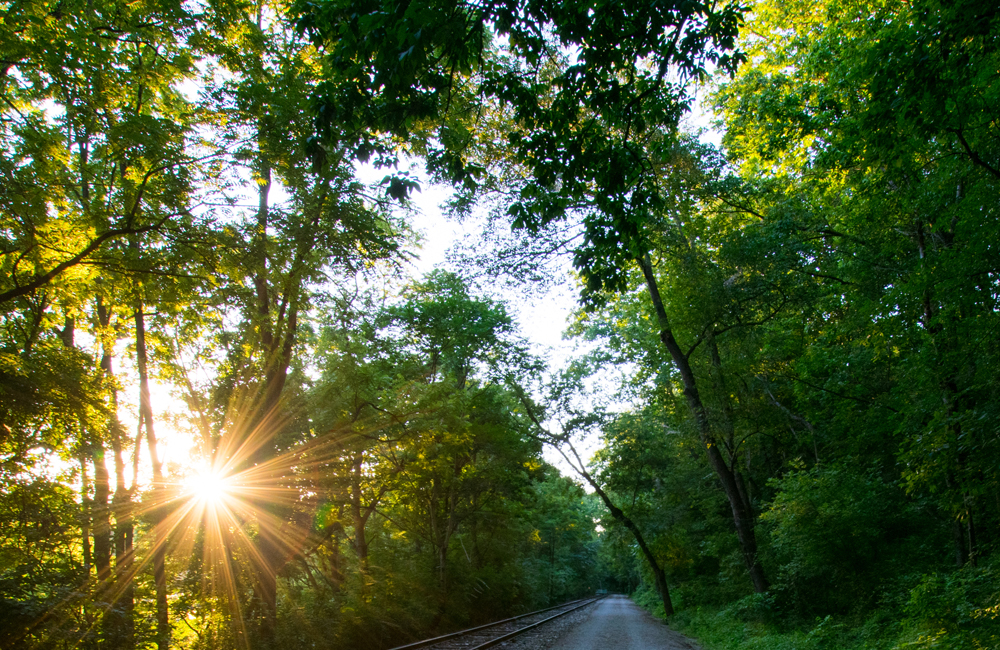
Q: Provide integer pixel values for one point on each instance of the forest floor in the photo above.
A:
(615, 622)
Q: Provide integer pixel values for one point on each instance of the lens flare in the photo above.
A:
(208, 486)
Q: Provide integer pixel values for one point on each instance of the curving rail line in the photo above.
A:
(491, 634)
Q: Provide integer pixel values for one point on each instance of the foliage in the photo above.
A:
(385, 481)
(833, 530)
(39, 529)
(583, 108)
(805, 318)
(956, 610)
(854, 168)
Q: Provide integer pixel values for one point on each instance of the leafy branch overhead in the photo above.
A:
(585, 90)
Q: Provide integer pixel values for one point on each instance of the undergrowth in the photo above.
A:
(948, 610)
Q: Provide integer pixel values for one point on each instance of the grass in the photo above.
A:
(749, 624)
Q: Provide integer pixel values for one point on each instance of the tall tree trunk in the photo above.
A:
(360, 519)
(88, 559)
(100, 511)
(102, 541)
(276, 319)
(124, 625)
(433, 512)
(970, 528)
(266, 583)
(101, 516)
(731, 481)
(160, 543)
(659, 575)
(964, 529)
(108, 582)
(333, 566)
(961, 555)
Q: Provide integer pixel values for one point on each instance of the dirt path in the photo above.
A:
(617, 623)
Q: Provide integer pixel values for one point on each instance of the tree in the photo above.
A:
(884, 174)
(593, 132)
(130, 258)
(456, 338)
(97, 139)
(562, 443)
(433, 486)
(75, 181)
(277, 258)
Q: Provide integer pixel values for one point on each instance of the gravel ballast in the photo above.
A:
(615, 623)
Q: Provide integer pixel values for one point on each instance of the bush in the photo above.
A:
(834, 531)
(958, 610)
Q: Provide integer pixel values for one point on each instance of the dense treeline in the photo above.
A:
(358, 475)
(835, 283)
(807, 315)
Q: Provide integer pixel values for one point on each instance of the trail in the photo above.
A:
(616, 623)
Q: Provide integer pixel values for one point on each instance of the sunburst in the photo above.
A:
(234, 510)
(208, 486)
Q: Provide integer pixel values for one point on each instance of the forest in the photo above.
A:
(233, 416)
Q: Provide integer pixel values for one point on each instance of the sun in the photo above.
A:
(208, 486)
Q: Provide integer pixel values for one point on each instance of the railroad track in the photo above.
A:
(491, 634)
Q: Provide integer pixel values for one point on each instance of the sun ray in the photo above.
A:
(243, 503)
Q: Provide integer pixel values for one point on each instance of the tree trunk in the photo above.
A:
(970, 528)
(114, 588)
(360, 521)
(88, 558)
(123, 628)
(103, 543)
(964, 529)
(101, 516)
(742, 512)
(659, 575)
(437, 531)
(961, 556)
(160, 543)
(275, 316)
(743, 516)
(266, 583)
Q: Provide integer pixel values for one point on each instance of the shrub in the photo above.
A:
(832, 532)
(959, 610)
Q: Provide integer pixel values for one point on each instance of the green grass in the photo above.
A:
(717, 629)
(947, 609)
(748, 625)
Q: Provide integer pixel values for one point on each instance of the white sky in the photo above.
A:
(542, 319)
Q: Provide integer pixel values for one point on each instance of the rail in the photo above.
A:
(473, 636)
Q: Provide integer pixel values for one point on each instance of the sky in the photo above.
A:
(542, 317)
